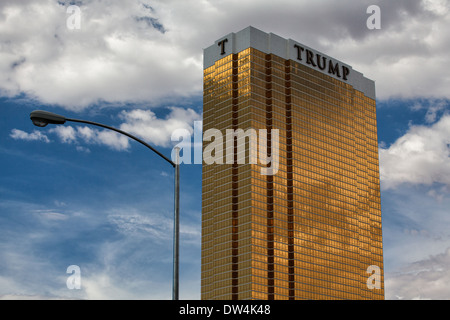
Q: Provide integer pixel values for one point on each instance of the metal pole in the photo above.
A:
(45, 117)
(176, 231)
(176, 227)
(124, 133)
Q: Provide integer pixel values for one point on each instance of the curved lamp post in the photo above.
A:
(42, 118)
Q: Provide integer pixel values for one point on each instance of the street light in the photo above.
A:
(42, 118)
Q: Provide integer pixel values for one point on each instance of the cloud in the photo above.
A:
(146, 125)
(152, 226)
(68, 134)
(405, 57)
(423, 279)
(17, 134)
(118, 254)
(152, 51)
(434, 108)
(50, 215)
(415, 223)
(420, 156)
(141, 123)
(119, 54)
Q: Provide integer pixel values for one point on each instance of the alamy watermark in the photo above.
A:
(374, 20)
(73, 21)
(374, 280)
(74, 280)
(252, 147)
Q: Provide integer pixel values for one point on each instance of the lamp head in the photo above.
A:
(42, 118)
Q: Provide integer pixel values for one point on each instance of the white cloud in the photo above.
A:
(83, 149)
(112, 139)
(141, 123)
(421, 156)
(33, 136)
(433, 107)
(415, 181)
(146, 125)
(152, 226)
(120, 54)
(425, 279)
(123, 263)
(407, 56)
(68, 134)
(152, 51)
(50, 215)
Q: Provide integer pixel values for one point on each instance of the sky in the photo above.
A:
(78, 195)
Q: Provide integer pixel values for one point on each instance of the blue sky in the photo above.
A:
(79, 195)
(108, 211)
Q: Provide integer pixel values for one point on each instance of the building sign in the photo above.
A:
(321, 62)
(315, 60)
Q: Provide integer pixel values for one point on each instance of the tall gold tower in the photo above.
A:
(312, 229)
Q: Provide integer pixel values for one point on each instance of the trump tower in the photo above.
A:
(307, 223)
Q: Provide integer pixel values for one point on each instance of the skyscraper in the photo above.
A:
(311, 227)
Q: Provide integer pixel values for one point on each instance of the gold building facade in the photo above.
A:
(312, 229)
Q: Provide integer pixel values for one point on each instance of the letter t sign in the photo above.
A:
(221, 44)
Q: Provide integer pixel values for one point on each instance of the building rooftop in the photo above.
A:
(288, 49)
